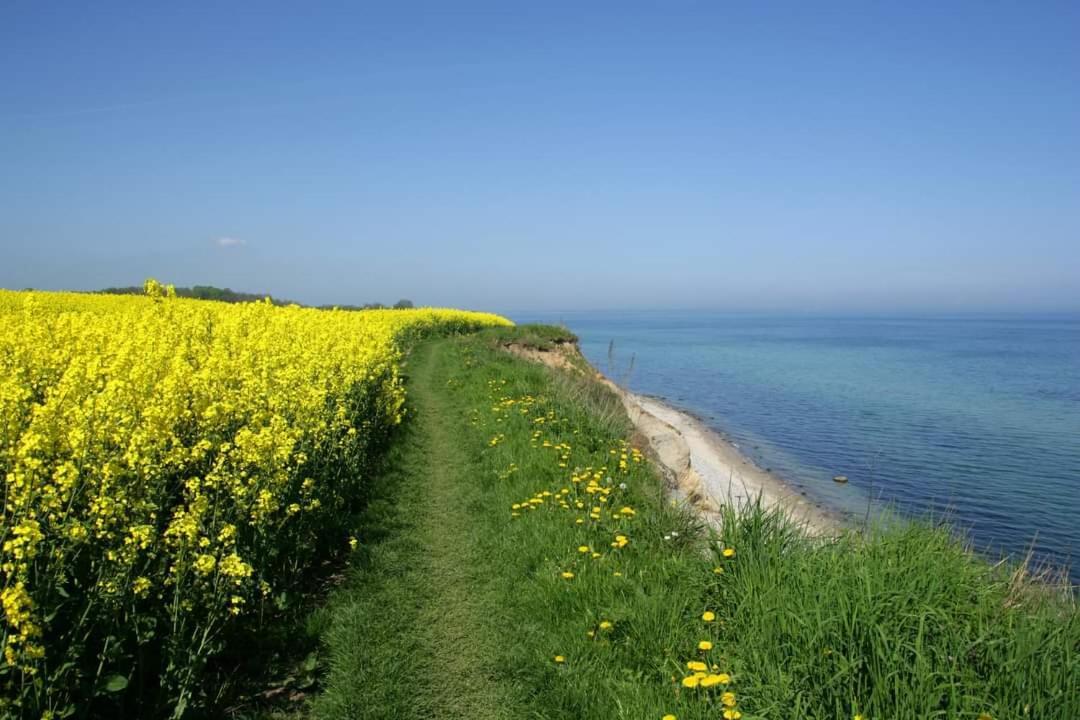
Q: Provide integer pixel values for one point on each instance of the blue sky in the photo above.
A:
(515, 156)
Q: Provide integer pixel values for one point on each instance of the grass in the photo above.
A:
(456, 604)
(540, 337)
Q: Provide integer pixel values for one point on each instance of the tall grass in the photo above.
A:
(903, 622)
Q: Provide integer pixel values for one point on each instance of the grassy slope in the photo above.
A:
(455, 608)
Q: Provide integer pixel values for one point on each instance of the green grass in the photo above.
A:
(453, 608)
(541, 337)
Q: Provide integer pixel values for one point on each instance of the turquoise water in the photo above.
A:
(973, 419)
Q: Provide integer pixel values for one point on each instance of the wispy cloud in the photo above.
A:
(229, 242)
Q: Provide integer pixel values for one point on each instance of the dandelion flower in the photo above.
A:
(669, 716)
(718, 570)
(704, 645)
(691, 681)
(732, 714)
(697, 666)
(567, 575)
(729, 552)
(560, 659)
(708, 616)
(583, 548)
(728, 699)
(606, 625)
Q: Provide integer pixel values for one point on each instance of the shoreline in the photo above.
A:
(706, 470)
(700, 465)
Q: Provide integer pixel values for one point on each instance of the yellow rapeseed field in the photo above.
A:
(168, 466)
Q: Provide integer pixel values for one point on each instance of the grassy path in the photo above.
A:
(517, 561)
(413, 637)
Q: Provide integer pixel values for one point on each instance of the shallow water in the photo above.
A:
(976, 418)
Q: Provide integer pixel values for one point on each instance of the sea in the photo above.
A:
(972, 420)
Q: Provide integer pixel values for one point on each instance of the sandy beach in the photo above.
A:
(706, 470)
(701, 467)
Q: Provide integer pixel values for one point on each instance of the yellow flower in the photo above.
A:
(583, 549)
(669, 716)
(691, 681)
(353, 542)
(718, 570)
(605, 625)
(708, 616)
(697, 666)
(560, 659)
(141, 586)
(729, 552)
(732, 714)
(704, 645)
(204, 564)
(728, 699)
(567, 575)
(710, 680)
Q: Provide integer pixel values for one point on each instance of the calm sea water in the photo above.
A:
(975, 418)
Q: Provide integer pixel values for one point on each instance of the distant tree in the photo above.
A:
(403, 304)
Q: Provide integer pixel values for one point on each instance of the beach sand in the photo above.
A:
(704, 468)
(700, 466)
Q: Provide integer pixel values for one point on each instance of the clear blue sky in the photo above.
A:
(513, 156)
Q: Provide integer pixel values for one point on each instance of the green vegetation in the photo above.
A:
(540, 337)
(520, 561)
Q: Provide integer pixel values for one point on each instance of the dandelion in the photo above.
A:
(605, 625)
(353, 543)
(691, 681)
(583, 549)
(567, 575)
(559, 659)
(669, 716)
(704, 646)
(728, 699)
(729, 552)
(708, 616)
(732, 714)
